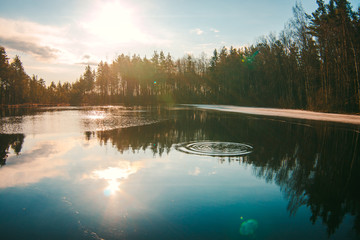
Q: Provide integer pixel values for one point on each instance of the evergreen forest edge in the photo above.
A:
(312, 64)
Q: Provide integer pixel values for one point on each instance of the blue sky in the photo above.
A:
(56, 39)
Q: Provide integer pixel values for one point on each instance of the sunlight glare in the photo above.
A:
(94, 115)
(115, 23)
(115, 176)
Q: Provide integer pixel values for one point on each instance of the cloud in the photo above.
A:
(86, 56)
(43, 53)
(197, 31)
(85, 39)
(40, 41)
(88, 59)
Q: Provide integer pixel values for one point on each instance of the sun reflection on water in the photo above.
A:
(96, 115)
(115, 176)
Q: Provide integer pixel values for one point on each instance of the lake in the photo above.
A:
(177, 172)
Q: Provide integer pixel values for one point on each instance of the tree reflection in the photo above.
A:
(321, 171)
(7, 141)
(315, 164)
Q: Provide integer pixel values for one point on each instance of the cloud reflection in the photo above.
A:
(195, 172)
(45, 160)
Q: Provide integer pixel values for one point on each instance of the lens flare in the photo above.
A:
(248, 227)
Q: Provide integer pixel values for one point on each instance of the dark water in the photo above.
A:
(176, 173)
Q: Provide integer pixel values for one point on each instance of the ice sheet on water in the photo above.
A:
(286, 113)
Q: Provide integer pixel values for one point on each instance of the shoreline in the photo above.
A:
(260, 111)
(33, 105)
(284, 113)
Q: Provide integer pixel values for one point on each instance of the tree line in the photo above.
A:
(312, 64)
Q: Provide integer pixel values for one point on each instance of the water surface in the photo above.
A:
(122, 173)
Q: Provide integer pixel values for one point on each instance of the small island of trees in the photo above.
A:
(312, 64)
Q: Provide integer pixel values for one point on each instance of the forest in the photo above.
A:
(312, 64)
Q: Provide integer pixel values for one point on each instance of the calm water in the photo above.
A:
(149, 173)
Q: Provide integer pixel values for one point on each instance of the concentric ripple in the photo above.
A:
(221, 149)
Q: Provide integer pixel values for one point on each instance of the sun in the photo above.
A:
(114, 22)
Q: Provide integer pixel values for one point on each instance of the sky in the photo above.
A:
(57, 39)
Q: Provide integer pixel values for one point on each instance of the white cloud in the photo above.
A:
(42, 53)
(47, 44)
(40, 41)
(197, 31)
